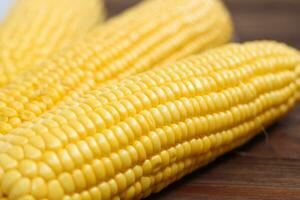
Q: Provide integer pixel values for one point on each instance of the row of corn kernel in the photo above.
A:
(157, 162)
(35, 29)
(148, 41)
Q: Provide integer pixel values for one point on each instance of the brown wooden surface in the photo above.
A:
(268, 167)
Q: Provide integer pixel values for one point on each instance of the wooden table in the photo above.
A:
(268, 167)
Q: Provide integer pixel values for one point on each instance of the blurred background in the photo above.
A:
(4, 6)
(254, 19)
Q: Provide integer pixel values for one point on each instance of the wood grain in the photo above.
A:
(268, 167)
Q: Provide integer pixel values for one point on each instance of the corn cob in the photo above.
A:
(34, 29)
(128, 140)
(131, 43)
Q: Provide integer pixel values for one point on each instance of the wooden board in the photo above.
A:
(268, 167)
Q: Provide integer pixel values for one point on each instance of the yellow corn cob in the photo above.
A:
(139, 39)
(34, 29)
(129, 140)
